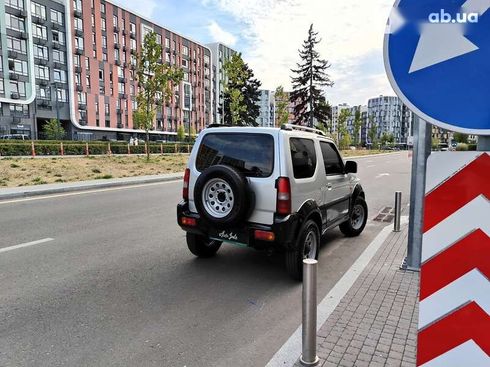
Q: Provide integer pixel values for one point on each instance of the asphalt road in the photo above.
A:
(117, 286)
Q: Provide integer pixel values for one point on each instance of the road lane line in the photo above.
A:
(27, 244)
(382, 175)
(92, 191)
(371, 166)
(289, 353)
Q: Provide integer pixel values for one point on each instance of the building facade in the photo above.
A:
(267, 109)
(220, 55)
(390, 116)
(75, 61)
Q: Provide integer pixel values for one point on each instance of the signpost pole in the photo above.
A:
(422, 149)
(483, 143)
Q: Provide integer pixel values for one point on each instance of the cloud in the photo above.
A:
(218, 34)
(352, 36)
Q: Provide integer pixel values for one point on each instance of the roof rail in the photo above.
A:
(217, 125)
(302, 128)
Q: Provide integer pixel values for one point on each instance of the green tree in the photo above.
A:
(326, 111)
(309, 80)
(435, 143)
(387, 139)
(241, 93)
(373, 132)
(357, 126)
(53, 130)
(282, 103)
(342, 124)
(180, 133)
(460, 138)
(155, 81)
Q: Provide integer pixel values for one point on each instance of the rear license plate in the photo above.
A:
(230, 235)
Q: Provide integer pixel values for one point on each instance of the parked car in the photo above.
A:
(14, 137)
(270, 189)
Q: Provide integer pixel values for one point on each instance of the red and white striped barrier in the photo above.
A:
(454, 313)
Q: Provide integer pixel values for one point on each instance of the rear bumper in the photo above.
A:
(284, 228)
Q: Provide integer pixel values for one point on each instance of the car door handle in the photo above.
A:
(329, 186)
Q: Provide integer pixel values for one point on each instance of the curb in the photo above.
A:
(30, 191)
(372, 155)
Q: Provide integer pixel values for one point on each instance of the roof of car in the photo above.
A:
(254, 129)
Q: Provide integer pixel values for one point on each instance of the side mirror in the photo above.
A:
(350, 167)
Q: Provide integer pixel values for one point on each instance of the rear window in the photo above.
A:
(251, 154)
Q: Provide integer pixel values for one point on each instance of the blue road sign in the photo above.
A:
(437, 57)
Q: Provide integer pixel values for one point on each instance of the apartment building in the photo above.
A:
(75, 61)
(220, 55)
(267, 107)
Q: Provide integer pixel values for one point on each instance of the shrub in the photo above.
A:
(462, 147)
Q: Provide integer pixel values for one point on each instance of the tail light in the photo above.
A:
(185, 189)
(283, 203)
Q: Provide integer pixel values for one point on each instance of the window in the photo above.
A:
(116, 54)
(2, 88)
(59, 56)
(41, 72)
(18, 87)
(104, 42)
(18, 66)
(18, 4)
(121, 88)
(40, 52)
(76, 60)
(79, 43)
(159, 39)
(187, 100)
(102, 7)
(114, 20)
(167, 42)
(331, 159)
(38, 10)
(106, 108)
(93, 20)
(116, 37)
(184, 63)
(39, 31)
(15, 44)
(120, 72)
(101, 75)
(103, 25)
(59, 75)
(132, 27)
(19, 109)
(56, 17)
(87, 63)
(14, 23)
(78, 79)
(59, 37)
(78, 24)
(303, 157)
(87, 78)
(133, 44)
(42, 92)
(77, 5)
(62, 95)
(252, 154)
(82, 98)
(185, 50)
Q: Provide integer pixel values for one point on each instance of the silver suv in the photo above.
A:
(270, 189)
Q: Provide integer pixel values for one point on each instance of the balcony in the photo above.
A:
(124, 32)
(124, 48)
(42, 62)
(116, 29)
(116, 46)
(79, 88)
(58, 65)
(43, 82)
(43, 103)
(40, 41)
(132, 35)
(77, 13)
(56, 45)
(13, 54)
(117, 62)
(134, 51)
(16, 120)
(13, 76)
(78, 69)
(82, 121)
(82, 106)
(37, 20)
(56, 25)
(78, 32)
(79, 51)
(14, 95)
(24, 35)
(122, 79)
(120, 125)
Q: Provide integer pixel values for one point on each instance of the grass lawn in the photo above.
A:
(15, 172)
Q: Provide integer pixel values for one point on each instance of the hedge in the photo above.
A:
(45, 148)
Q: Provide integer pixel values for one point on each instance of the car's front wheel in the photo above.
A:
(307, 247)
(202, 246)
(357, 219)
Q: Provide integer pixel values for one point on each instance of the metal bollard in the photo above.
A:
(308, 356)
(398, 211)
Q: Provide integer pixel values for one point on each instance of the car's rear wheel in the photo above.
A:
(307, 247)
(357, 219)
(202, 246)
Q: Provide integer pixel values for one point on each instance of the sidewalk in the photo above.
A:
(48, 189)
(375, 323)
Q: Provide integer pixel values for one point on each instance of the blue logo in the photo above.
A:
(437, 57)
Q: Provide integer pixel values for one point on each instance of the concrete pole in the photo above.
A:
(308, 356)
(483, 143)
(422, 149)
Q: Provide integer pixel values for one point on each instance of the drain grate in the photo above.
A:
(385, 215)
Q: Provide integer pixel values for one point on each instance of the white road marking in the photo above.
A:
(92, 191)
(371, 166)
(382, 175)
(289, 353)
(27, 244)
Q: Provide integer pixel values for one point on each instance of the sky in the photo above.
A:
(269, 33)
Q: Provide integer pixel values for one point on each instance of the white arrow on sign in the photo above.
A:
(441, 42)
